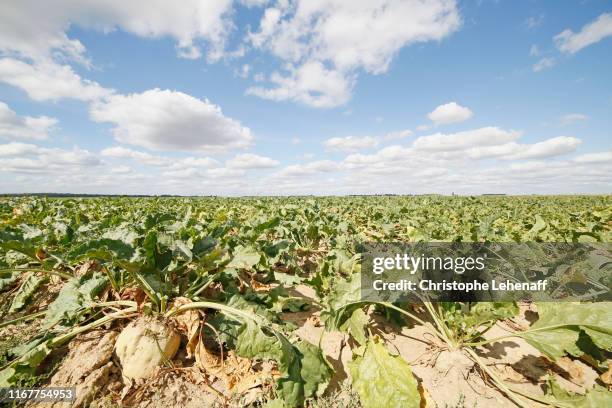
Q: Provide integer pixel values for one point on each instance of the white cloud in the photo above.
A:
(311, 83)
(305, 156)
(385, 156)
(450, 113)
(334, 39)
(251, 161)
(46, 80)
(224, 172)
(296, 141)
(244, 71)
(422, 128)
(397, 135)
(486, 136)
(119, 152)
(534, 51)
(205, 162)
(603, 157)
(315, 167)
(39, 30)
(121, 169)
(513, 151)
(27, 158)
(13, 126)
(543, 64)
(187, 172)
(169, 120)
(17, 149)
(534, 21)
(350, 143)
(144, 158)
(393, 169)
(572, 118)
(569, 42)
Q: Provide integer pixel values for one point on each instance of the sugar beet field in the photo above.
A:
(231, 302)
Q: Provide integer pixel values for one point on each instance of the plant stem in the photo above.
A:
(52, 272)
(58, 341)
(22, 318)
(441, 326)
(538, 329)
(493, 340)
(498, 381)
(213, 305)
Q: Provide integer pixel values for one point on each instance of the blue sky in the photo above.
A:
(306, 97)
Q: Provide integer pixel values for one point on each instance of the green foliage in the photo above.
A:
(467, 321)
(559, 326)
(74, 298)
(595, 398)
(383, 380)
(305, 371)
(248, 253)
(26, 291)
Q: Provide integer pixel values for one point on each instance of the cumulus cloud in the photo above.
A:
(142, 157)
(336, 38)
(169, 120)
(450, 113)
(386, 155)
(308, 169)
(28, 158)
(603, 157)
(225, 172)
(534, 21)
(13, 126)
(572, 118)
(543, 64)
(34, 37)
(513, 151)
(17, 149)
(38, 30)
(570, 42)
(486, 136)
(121, 169)
(156, 160)
(47, 80)
(393, 169)
(251, 161)
(397, 135)
(311, 83)
(350, 143)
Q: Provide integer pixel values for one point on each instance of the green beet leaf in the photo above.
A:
(76, 294)
(383, 380)
(25, 292)
(558, 328)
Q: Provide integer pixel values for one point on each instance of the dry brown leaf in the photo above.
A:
(607, 376)
(188, 324)
(86, 268)
(205, 359)
(41, 254)
(426, 400)
(260, 287)
(134, 293)
(575, 371)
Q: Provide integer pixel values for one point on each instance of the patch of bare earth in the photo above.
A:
(450, 377)
(88, 367)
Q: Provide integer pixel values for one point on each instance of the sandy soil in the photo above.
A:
(447, 378)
